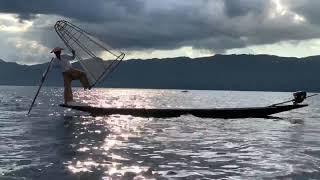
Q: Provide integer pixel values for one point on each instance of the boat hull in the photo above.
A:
(225, 113)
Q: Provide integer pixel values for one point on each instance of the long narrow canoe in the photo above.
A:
(224, 113)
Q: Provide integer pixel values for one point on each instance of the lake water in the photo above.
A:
(57, 143)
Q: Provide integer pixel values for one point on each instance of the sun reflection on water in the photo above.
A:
(125, 98)
(104, 141)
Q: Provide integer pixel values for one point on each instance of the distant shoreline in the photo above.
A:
(220, 72)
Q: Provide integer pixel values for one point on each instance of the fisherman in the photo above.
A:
(69, 73)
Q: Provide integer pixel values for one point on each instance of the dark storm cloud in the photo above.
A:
(243, 7)
(170, 24)
(86, 10)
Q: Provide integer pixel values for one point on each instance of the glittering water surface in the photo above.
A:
(57, 143)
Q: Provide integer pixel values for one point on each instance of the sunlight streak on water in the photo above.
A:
(102, 153)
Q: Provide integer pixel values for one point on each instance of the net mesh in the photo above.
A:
(97, 58)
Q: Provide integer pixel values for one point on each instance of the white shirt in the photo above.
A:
(64, 62)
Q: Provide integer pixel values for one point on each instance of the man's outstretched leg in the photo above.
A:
(84, 80)
(77, 74)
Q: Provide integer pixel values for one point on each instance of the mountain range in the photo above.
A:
(219, 72)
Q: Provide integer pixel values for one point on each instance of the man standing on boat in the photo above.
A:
(69, 73)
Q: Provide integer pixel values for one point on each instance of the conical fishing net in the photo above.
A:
(97, 58)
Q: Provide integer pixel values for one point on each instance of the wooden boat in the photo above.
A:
(225, 113)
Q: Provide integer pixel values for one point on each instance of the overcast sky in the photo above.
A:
(164, 28)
